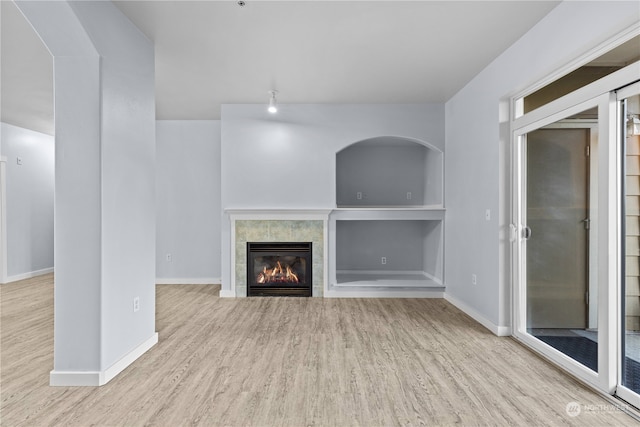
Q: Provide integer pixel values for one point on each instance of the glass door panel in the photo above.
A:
(557, 232)
(576, 238)
(630, 248)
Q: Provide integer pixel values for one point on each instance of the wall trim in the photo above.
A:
(227, 293)
(3, 219)
(383, 293)
(501, 331)
(28, 275)
(189, 281)
(74, 378)
(98, 378)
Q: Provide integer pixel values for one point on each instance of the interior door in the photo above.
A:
(557, 220)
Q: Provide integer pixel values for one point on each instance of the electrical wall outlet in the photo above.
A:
(136, 304)
(359, 195)
(474, 279)
(383, 260)
(409, 195)
(169, 259)
(19, 161)
(487, 214)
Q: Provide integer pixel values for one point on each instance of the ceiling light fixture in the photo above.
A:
(273, 107)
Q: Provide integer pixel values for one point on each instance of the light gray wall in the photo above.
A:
(360, 245)
(296, 148)
(128, 177)
(105, 181)
(188, 200)
(288, 159)
(433, 248)
(30, 189)
(382, 173)
(477, 148)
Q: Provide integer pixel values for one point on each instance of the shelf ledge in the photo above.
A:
(389, 214)
(386, 279)
(391, 208)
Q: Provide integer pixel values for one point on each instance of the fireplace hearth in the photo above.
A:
(279, 269)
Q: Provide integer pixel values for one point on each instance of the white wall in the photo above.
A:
(188, 201)
(477, 148)
(288, 159)
(105, 187)
(128, 177)
(29, 197)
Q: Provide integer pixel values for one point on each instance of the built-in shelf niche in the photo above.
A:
(389, 172)
(389, 253)
(387, 231)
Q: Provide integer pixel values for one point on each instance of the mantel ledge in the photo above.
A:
(277, 214)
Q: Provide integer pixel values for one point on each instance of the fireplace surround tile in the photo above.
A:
(280, 231)
(252, 231)
(259, 230)
(307, 230)
(318, 279)
(318, 252)
(241, 277)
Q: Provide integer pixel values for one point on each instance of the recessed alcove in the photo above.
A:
(391, 253)
(387, 230)
(389, 171)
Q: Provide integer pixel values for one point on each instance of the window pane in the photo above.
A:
(631, 248)
(604, 65)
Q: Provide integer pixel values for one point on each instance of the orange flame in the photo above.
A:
(277, 274)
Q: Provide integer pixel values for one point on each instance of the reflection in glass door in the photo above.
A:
(558, 225)
(630, 248)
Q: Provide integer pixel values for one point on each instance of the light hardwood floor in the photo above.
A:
(292, 362)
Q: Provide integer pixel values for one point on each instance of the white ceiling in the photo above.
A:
(210, 53)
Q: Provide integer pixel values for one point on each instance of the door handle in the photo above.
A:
(513, 232)
(587, 223)
(526, 232)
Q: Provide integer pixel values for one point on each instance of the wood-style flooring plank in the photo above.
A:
(291, 362)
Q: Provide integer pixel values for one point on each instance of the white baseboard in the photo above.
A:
(382, 293)
(28, 275)
(501, 331)
(74, 378)
(369, 293)
(98, 378)
(188, 281)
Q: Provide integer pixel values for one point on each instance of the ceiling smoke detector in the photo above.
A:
(241, 3)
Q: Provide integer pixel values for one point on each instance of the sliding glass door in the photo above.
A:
(558, 236)
(576, 239)
(629, 304)
(558, 228)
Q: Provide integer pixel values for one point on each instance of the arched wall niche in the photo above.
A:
(389, 171)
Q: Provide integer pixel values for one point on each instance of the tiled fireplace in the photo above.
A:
(254, 226)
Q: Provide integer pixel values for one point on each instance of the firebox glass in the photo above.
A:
(279, 270)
